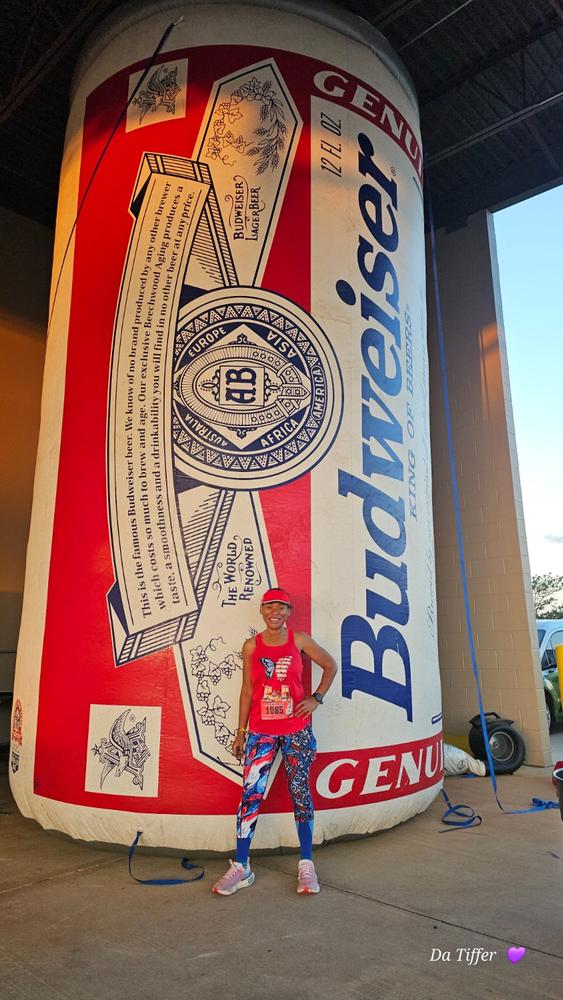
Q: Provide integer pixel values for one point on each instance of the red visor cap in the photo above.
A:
(276, 595)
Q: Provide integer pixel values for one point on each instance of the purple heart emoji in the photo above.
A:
(515, 954)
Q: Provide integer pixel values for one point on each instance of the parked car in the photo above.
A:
(550, 634)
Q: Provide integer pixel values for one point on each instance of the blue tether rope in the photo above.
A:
(185, 862)
(537, 804)
(466, 816)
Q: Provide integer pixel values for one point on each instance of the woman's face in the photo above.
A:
(275, 614)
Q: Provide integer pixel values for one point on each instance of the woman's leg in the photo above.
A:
(298, 751)
(259, 756)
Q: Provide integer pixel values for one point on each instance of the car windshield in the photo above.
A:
(541, 633)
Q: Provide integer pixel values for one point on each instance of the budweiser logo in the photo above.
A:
(382, 432)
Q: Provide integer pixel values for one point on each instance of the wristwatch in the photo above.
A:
(318, 697)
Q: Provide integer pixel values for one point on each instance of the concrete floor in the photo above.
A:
(76, 927)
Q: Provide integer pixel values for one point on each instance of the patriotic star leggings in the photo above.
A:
(298, 753)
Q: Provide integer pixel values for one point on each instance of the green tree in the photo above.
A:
(548, 595)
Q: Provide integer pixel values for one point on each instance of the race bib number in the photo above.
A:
(276, 704)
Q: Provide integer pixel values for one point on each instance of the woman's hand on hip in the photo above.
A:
(307, 706)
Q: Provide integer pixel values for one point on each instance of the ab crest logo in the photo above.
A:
(257, 393)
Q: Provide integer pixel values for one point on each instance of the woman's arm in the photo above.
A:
(325, 661)
(245, 698)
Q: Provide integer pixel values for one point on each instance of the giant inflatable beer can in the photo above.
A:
(235, 397)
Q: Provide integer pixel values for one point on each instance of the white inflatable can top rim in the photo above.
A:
(328, 14)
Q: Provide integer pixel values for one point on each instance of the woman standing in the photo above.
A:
(278, 715)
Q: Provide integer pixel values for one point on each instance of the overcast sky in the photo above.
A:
(530, 253)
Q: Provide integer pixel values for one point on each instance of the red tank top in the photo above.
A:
(277, 684)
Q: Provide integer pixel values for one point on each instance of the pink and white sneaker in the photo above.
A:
(237, 877)
(307, 880)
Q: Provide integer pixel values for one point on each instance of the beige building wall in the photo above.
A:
(490, 499)
(25, 272)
